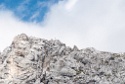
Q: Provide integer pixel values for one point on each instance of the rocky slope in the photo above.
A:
(30, 60)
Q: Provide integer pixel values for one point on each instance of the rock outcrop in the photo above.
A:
(30, 60)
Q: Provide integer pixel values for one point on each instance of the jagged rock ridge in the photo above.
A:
(30, 60)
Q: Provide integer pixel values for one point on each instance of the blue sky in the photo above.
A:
(85, 23)
(29, 10)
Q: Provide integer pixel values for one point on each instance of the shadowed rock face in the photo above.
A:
(30, 60)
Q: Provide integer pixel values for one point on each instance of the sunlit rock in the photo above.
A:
(30, 60)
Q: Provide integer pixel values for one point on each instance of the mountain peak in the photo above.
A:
(30, 60)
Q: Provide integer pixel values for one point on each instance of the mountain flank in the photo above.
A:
(31, 60)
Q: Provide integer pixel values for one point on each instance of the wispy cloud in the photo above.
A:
(89, 23)
(29, 10)
(85, 23)
(70, 4)
(2, 6)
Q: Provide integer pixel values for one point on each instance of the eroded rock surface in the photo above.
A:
(30, 60)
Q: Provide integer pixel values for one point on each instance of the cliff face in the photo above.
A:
(30, 60)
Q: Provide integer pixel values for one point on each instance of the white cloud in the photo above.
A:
(36, 14)
(85, 23)
(11, 26)
(69, 5)
(2, 6)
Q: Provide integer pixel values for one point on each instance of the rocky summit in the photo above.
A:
(30, 60)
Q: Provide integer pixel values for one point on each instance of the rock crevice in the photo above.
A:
(30, 60)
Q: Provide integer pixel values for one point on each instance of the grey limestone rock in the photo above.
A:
(31, 60)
